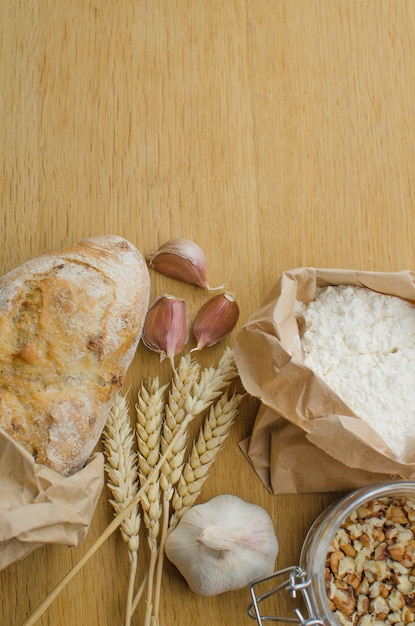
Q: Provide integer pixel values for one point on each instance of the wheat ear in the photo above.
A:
(195, 390)
(192, 392)
(176, 416)
(213, 380)
(212, 435)
(183, 381)
(121, 469)
(150, 412)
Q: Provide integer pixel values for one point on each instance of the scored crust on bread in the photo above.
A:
(70, 323)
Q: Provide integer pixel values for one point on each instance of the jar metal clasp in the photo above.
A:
(295, 580)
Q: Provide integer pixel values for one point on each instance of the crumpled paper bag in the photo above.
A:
(305, 438)
(39, 506)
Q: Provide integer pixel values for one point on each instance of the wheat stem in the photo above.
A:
(130, 592)
(160, 563)
(139, 593)
(150, 580)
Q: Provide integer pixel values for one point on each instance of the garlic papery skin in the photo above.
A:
(223, 545)
(181, 259)
(215, 320)
(166, 326)
(217, 538)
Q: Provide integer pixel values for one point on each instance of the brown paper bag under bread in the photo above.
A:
(39, 506)
(305, 438)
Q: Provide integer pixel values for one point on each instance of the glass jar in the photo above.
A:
(307, 580)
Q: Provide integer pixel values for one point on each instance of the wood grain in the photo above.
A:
(275, 133)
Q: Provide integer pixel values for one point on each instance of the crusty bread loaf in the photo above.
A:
(70, 323)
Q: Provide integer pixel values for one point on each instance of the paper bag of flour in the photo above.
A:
(305, 437)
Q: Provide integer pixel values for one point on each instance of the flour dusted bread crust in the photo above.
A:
(70, 323)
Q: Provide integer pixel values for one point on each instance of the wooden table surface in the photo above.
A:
(275, 133)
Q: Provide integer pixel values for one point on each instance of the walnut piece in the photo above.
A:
(370, 565)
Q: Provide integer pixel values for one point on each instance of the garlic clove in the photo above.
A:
(183, 260)
(166, 326)
(222, 545)
(215, 320)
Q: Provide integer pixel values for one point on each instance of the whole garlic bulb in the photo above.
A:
(223, 545)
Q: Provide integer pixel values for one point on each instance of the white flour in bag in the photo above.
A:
(362, 344)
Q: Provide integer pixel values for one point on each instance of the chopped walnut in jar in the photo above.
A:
(370, 565)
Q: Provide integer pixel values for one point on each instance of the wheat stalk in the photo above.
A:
(150, 411)
(193, 391)
(176, 416)
(121, 468)
(212, 435)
